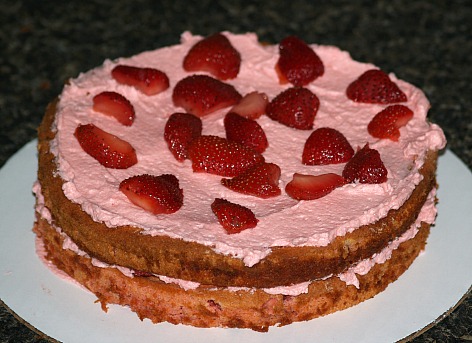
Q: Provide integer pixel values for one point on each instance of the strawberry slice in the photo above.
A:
(375, 87)
(387, 122)
(216, 55)
(298, 63)
(261, 181)
(310, 187)
(245, 131)
(141, 273)
(233, 217)
(326, 146)
(202, 94)
(109, 150)
(252, 105)
(156, 194)
(295, 107)
(180, 130)
(115, 105)
(149, 81)
(365, 166)
(216, 155)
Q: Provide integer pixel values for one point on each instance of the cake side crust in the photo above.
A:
(210, 306)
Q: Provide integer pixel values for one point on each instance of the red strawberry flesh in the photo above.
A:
(140, 273)
(233, 217)
(156, 194)
(295, 107)
(298, 63)
(261, 181)
(115, 105)
(245, 131)
(149, 81)
(311, 187)
(109, 150)
(387, 122)
(202, 94)
(375, 87)
(216, 55)
(180, 130)
(216, 155)
(252, 105)
(365, 166)
(326, 146)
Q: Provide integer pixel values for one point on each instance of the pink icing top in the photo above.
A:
(282, 220)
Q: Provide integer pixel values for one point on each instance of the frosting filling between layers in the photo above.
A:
(283, 221)
(426, 215)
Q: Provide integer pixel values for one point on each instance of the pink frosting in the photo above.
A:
(282, 220)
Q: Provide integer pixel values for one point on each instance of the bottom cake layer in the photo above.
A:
(209, 306)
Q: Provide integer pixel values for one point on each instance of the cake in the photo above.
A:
(222, 182)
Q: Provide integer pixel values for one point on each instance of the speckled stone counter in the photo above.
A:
(44, 43)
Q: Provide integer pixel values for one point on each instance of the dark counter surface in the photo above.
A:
(44, 43)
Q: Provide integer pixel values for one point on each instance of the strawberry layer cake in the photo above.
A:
(222, 182)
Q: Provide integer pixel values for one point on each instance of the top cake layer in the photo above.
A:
(283, 221)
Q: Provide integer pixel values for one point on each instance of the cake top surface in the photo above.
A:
(283, 221)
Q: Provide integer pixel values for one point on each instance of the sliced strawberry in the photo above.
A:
(261, 181)
(156, 194)
(387, 122)
(326, 146)
(201, 95)
(216, 55)
(115, 105)
(245, 131)
(149, 81)
(295, 107)
(180, 130)
(365, 166)
(298, 63)
(109, 150)
(252, 105)
(233, 217)
(141, 273)
(216, 155)
(310, 187)
(375, 87)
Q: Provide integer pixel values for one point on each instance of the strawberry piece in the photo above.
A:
(387, 122)
(298, 63)
(365, 166)
(375, 87)
(216, 55)
(216, 155)
(252, 105)
(326, 146)
(156, 194)
(233, 217)
(109, 150)
(149, 81)
(180, 130)
(141, 273)
(261, 181)
(115, 105)
(245, 131)
(310, 187)
(295, 107)
(202, 94)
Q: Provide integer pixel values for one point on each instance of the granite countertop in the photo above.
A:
(44, 43)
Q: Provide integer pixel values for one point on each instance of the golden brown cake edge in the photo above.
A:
(210, 306)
